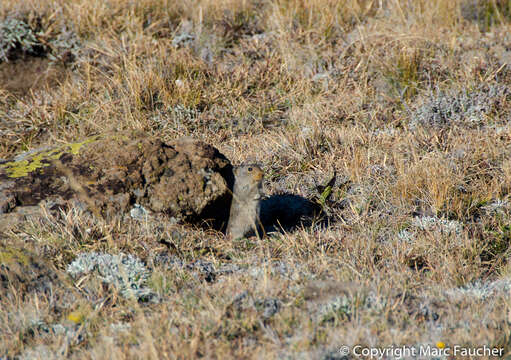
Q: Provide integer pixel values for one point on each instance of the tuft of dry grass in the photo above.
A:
(408, 101)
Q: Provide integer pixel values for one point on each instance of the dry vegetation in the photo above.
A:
(409, 101)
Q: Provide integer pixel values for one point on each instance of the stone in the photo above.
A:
(108, 174)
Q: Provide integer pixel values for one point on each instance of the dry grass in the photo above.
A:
(417, 249)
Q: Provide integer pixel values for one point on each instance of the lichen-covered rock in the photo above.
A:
(186, 179)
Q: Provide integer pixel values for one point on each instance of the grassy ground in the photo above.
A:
(408, 101)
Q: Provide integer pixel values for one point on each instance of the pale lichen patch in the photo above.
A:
(9, 255)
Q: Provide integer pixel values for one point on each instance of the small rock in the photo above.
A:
(138, 212)
(269, 307)
(205, 269)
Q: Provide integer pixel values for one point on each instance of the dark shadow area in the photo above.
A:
(216, 215)
(286, 212)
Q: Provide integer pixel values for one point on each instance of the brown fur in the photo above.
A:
(246, 201)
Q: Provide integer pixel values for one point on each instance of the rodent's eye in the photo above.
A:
(249, 169)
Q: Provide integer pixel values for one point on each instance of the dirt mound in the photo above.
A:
(33, 73)
(32, 56)
(187, 179)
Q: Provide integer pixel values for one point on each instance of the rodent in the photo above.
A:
(245, 213)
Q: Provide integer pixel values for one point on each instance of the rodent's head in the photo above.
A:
(248, 181)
